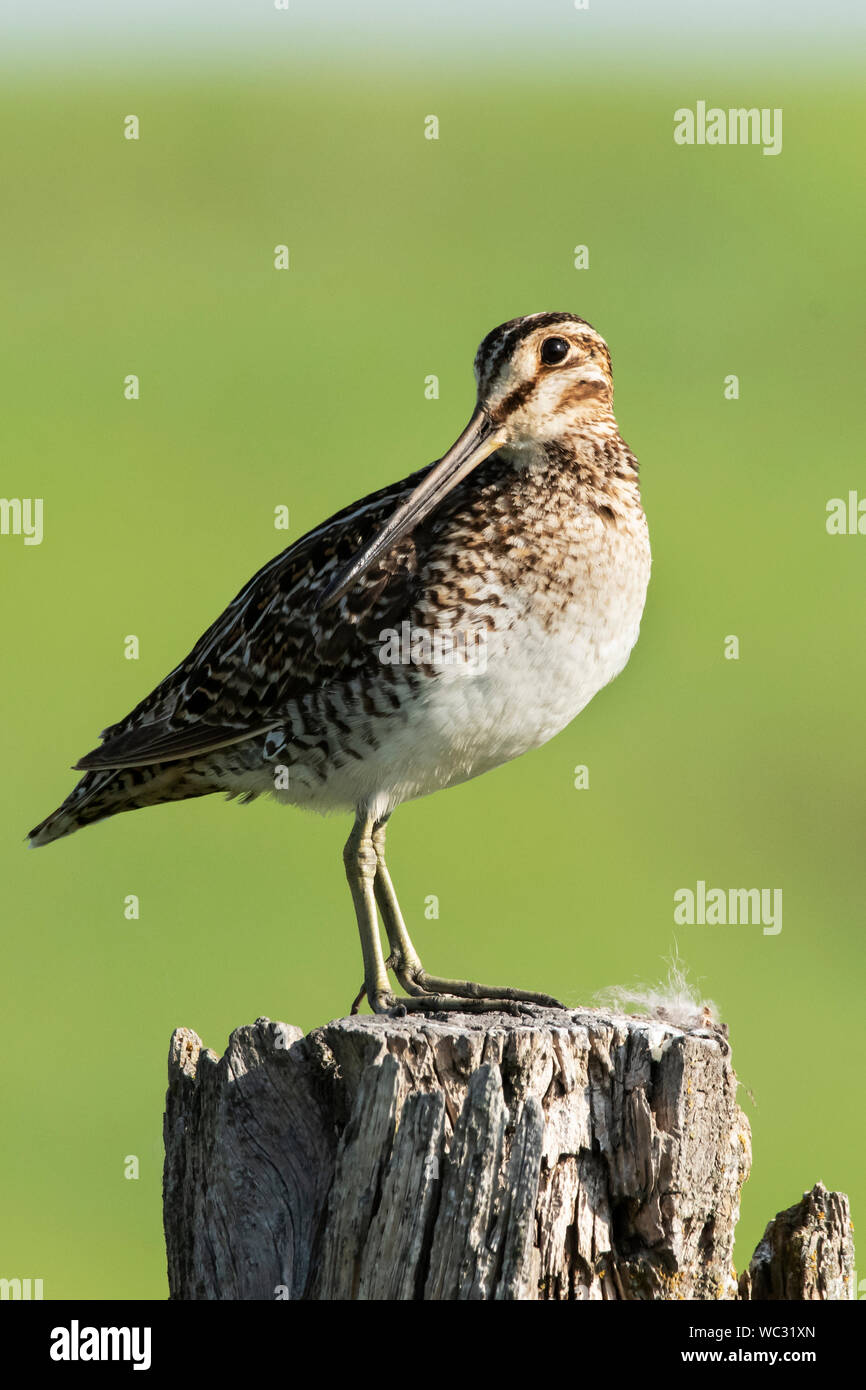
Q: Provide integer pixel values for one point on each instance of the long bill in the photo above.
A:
(479, 439)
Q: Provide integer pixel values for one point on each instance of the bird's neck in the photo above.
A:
(590, 463)
(578, 441)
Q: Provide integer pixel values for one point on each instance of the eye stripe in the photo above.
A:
(518, 396)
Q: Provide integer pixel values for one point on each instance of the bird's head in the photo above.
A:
(542, 379)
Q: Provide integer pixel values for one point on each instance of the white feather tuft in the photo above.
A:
(676, 1000)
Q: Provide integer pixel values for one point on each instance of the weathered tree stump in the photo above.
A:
(553, 1155)
(806, 1252)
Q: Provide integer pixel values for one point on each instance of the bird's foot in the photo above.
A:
(493, 995)
(395, 963)
(358, 1000)
(381, 1001)
(446, 1003)
(435, 994)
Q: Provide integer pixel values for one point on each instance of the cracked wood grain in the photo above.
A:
(806, 1253)
(558, 1155)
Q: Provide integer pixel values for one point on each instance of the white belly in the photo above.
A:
(533, 677)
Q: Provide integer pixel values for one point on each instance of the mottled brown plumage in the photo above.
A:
(528, 538)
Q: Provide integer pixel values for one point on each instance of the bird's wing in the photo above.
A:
(271, 645)
(161, 742)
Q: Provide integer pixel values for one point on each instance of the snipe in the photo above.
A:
(428, 633)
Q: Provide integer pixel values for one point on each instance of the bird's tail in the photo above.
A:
(108, 792)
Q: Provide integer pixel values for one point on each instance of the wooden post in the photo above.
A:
(553, 1155)
(807, 1252)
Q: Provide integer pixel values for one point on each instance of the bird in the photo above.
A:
(429, 632)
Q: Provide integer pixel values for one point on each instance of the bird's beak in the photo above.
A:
(479, 439)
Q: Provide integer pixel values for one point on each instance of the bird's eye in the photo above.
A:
(554, 350)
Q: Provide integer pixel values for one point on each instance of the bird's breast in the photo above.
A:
(504, 647)
(547, 627)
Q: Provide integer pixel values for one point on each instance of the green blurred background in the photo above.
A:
(306, 388)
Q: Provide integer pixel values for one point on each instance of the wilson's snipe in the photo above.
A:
(433, 630)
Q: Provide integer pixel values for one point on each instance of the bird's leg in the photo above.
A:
(360, 860)
(404, 959)
(434, 992)
(362, 992)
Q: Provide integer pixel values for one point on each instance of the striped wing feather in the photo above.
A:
(271, 645)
